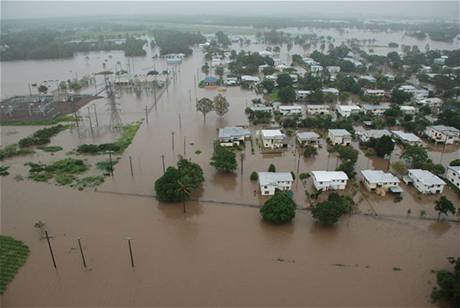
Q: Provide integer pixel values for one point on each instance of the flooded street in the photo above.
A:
(220, 252)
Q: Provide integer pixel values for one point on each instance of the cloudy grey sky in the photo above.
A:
(334, 9)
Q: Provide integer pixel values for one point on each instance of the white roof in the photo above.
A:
(326, 176)
(339, 132)
(272, 134)
(233, 132)
(456, 169)
(250, 78)
(375, 91)
(347, 107)
(378, 176)
(406, 108)
(303, 92)
(290, 107)
(375, 133)
(446, 130)
(272, 178)
(426, 177)
(409, 137)
(370, 107)
(330, 90)
(307, 135)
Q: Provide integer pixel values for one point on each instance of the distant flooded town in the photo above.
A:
(230, 161)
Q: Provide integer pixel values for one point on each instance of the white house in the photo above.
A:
(270, 181)
(432, 102)
(372, 92)
(368, 78)
(273, 138)
(439, 61)
(347, 110)
(290, 110)
(380, 182)
(355, 63)
(318, 109)
(233, 135)
(231, 81)
(410, 110)
(408, 138)
(250, 79)
(333, 69)
(375, 109)
(309, 61)
(314, 69)
(308, 138)
(443, 134)
(425, 181)
(339, 136)
(367, 135)
(329, 180)
(301, 95)
(417, 93)
(260, 107)
(453, 175)
(332, 91)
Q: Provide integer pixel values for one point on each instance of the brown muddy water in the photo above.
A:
(219, 252)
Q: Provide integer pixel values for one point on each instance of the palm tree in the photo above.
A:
(185, 191)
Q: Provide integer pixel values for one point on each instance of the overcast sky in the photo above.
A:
(335, 9)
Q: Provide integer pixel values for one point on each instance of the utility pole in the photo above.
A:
(95, 115)
(81, 252)
(131, 165)
(90, 123)
(130, 252)
(241, 162)
(184, 146)
(172, 141)
(180, 121)
(51, 249)
(163, 161)
(146, 115)
(111, 163)
(190, 95)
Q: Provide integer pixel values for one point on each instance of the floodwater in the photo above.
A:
(219, 252)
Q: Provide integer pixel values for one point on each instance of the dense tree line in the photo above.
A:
(171, 41)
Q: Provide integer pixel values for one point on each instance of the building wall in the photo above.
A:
(329, 185)
(453, 177)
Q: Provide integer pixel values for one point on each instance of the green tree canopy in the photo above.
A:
(448, 285)
(204, 105)
(329, 212)
(444, 206)
(279, 209)
(286, 94)
(223, 159)
(221, 105)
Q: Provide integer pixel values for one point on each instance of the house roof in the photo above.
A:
(456, 169)
(375, 133)
(369, 107)
(378, 176)
(233, 132)
(307, 135)
(347, 107)
(210, 79)
(271, 178)
(326, 176)
(426, 177)
(408, 137)
(446, 130)
(272, 134)
(339, 132)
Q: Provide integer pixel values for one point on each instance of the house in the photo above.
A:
(233, 135)
(174, 58)
(380, 182)
(329, 180)
(339, 136)
(372, 92)
(231, 81)
(333, 69)
(443, 134)
(368, 78)
(317, 109)
(355, 63)
(347, 110)
(271, 181)
(301, 95)
(290, 110)
(432, 102)
(308, 138)
(453, 175)
(389, 77)
(416, 93)
(250, 79)
(273, 139)
(217, 61)
(332, 91)
(314, 69)
(260, 107)
(408, 138)
(294, 77)
(425, 181)
(266, 53)
(409, 110)
(310, 61)
(209, 81)
(367, 135)
(439, 61)
(375, 109)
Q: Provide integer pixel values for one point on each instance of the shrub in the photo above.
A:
(223, 159)
(279, 209)
(309, 151)
(271, 168)
(329, 212)
(254, 176)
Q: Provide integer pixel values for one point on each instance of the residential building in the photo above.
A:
(347, 110)
(260, 107)
(432, 102)
(250, 79)
(408, 138)
(367, 135)
(417, 93)
(380, 182)
(425, 181)
(231, 81)
(271, 181)
(310, 61)
(329, 180)
(339, 136)
(233, 135)
(318, 109)
(308, 138)
(368, 78)
(290, 110)
(372, 92)
(332, 91)
(410, 110)
(375, 109)
(333, 69)
(443, 134)
(453, 175)
(355, 63)
(439, 61)
(316, 69)
(210, 81)
(302, 95)
(273, 139)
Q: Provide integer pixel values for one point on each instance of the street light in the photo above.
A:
(110, 160)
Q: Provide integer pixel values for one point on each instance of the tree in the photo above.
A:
(279, 209)
(309, 151)
(455, 162)
(271, 168)
(444, 206)
(167, 187)
(286, 94)
(399, 96)
(223, 159)
(268, 85)
(384, 146)
(448, 284)
(416, 155)
(42, 89)
(329, 212)
(205, 68)
(399, 167)
(284, 80)
(221, 105)
(254, 176)
(219, 71)
(204, 105)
